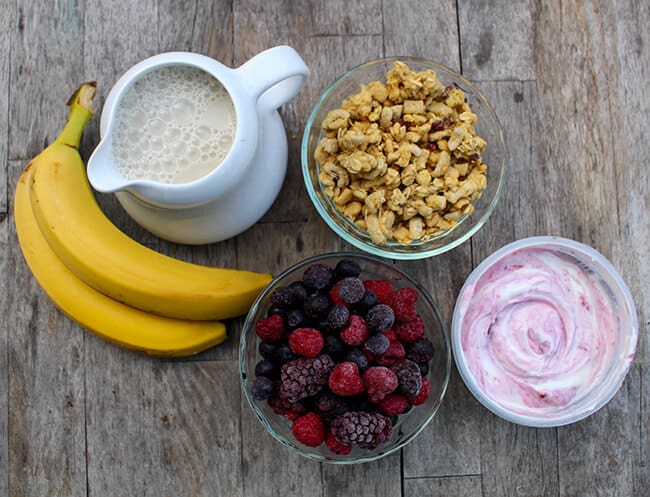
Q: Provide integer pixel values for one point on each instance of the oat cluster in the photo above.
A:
(401, 159)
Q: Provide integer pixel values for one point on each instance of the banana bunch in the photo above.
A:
(115, 287)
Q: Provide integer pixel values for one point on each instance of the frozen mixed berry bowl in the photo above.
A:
(344, 358)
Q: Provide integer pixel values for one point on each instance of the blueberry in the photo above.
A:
(351, 290)
(299, 291)
(338, 317)
(282, 354)
(380, 318)
(316, 305)
(275, 310)
(266, 349)
(318, 276)
(334, 346)
(262, 388)
(377, 344)
(358, 357)
(424, 368)
(420, 350)
(368, 300)
(295, 318)
(265, 368)
(347, 268)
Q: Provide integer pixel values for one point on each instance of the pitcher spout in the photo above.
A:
(101, 171)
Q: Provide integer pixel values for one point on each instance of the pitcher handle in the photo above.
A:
(278, 73)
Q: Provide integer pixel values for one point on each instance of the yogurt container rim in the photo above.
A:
(600, 265)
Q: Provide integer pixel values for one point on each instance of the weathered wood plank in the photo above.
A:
(464, 486)
(6, 301)
(381, 477)
(8, 23)
(46, 439)
(638, 381)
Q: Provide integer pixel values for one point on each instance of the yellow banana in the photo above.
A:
(99, 254)
(111, 320)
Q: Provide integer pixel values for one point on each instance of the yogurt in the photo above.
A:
(538, 330)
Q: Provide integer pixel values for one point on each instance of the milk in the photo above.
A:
(174, 125)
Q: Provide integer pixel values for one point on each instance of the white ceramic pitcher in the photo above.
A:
(238, 192)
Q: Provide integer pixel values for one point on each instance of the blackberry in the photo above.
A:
(299, 291)
(266, 349)
(338, 317)
(282, 354)
(330, 406)
(358, 357)
(265, 367)
(420, 350)
(334, 346)
(316, 305)
(304, 377)
(363, 429)
(377, 344)
(346, 268)
(351, 290)
(409, 377)
(368, 300)
(318, 276)
(262, 388)
(295, 318)
(283, 297)
(380, 317)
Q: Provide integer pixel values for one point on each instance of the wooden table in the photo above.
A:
(569, 80)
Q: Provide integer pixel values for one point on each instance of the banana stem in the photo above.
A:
(80, 113)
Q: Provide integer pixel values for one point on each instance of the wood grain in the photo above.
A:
(6, 302)
(7, 22)
(459, 486)
(381, 477)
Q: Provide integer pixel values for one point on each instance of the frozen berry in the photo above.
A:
(329, 406)
(282, 354)
(382, 289)
(335, 445)
(368, 300)
(393, 355)
(318, 276)
(424, 368)
(334, 346)
(334, 296)
(304, 377)
(299, 291)
(410, 331)
(423, 395)
(266, 349)
(356, 332)
(420, 351)
(380, 317)
(379, 382)
(346, 268)
(295, 318)
(284, 407)
(307, 342)
(309, 429)
(262, 388)
(345, 379)
(283, 297)
(280, 311)
(270, 329)
(316, 305)
(351, 290)
(266, 367)
(338, 317)
(403, 304)
(390, 334)
(409, 377)
(358, 357)
(363, 429)
(394, 404)
(377, 344)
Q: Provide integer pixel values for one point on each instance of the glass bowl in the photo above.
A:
(409, 424)
(487, 127)
(558, 376)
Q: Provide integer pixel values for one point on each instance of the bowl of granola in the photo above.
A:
(403, 158)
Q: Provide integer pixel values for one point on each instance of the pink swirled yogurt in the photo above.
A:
(538, 331)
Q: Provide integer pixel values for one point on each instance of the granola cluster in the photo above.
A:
(401, 159)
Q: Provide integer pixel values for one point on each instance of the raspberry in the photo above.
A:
(356, 332)
(409, 377)
(403, 304)
(304, 377)
(420, 351)
(390, 334)
(270, 329)
(358, 357)
(309, 429)
(295, 318)
(377, 344)
(262, 388)
(379, 382)
(363, 429)
(345, 379)
(318, 276)
(346, 268)
(265, 367)
(382, 289)
(307, 342)
(351, 290)
(316, 305)
(422, 397)
(410, 331)
(338, 317)
(393, 355)
(380, 317)
(334, 296)
(394, 404)
(283, 297)
(335, 445)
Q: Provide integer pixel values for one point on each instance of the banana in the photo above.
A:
(111, 320)
(99, 254)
